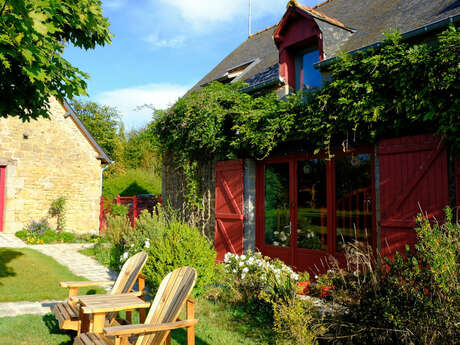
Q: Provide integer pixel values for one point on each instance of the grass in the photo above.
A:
(217, 325)
(28, 275)
(40, 330)
(132, 182)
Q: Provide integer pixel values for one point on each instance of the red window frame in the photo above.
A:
(302, 258)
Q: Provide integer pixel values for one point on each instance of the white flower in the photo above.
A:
(241, 263)
(234, 271)
(132, 245)
(243, 275)
(124, 256)
(276, 243)
(283, 236)
(294, 276)
(245, 270)
(276, 232)
(147, 244)
(243, 257)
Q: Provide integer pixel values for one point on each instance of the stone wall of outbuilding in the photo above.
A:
(46, 159)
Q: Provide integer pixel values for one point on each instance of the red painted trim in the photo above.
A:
(2, 196)
(292, 254)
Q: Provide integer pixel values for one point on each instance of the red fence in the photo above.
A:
(136, 204)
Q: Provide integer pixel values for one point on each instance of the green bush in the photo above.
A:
(296, 321)
(132, 182)
(170, 244)
(57, 209)
(22, 234)
(409, 299)
(119, 209)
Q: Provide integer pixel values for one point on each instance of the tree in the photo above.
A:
(33, 35)
(103, 122)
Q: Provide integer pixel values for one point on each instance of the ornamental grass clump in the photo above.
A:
(410, 298)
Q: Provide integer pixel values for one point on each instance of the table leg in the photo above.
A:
(98, 322)
(84, 323)
(142, 315)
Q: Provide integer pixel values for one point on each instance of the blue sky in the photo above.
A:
(162, 48)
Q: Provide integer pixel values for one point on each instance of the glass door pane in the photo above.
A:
(277, 213)
(354, 199)
(311, 204)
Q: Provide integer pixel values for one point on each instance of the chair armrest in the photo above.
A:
(135, 293)
(147, 328)
(84, 284)
(111, 308)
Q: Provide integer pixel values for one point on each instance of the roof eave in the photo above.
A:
(103, 157)
(407, 35)
(259, 86)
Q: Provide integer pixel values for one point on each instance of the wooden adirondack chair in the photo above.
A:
(68, 314)
(172, 294)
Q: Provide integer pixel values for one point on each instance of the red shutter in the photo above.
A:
(2, 195)
(229, 208)
(413, 178)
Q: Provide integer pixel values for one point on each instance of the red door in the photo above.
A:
(229, 208)
(413, 178)
(2, 195)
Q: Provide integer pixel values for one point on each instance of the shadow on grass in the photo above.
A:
(51, 323)
(180, 335)
(7, 255)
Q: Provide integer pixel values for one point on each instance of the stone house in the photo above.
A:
(369, 192)
(45, 159)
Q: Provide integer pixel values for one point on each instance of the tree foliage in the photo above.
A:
(103, 122)
(394, 89)
(33, 34)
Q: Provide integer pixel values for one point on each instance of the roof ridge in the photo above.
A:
(263, 30)
(314, 12)
(321, 4)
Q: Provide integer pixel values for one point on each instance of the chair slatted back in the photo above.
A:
(129, 273)
(128, 276)
(169, 301)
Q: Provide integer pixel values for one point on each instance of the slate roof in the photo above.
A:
(369, 18)
(260, 47)
(267, 76)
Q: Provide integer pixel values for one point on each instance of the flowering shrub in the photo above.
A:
(37, 229)
(254, 275)
(170, 244)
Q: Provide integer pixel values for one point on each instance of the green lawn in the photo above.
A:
(28, 275)
(217, 325)
(26, 272)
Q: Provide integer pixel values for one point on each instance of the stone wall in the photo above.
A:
(173, 190)
(46, 159)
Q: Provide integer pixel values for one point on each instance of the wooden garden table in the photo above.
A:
(99, 305)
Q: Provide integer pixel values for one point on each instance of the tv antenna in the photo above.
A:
(249, 19)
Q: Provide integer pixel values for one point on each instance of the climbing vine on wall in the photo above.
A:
(395, 89)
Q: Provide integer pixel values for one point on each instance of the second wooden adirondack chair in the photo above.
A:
(67, 313)
(171, 297)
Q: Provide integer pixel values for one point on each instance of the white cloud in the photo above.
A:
(200, 13)
(127, 100)
(113, 4)
(157, 42)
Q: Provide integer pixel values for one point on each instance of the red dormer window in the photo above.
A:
(307, 77)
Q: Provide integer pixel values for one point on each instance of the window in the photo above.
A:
(277, 214)
(314, 205)
(307, 76)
